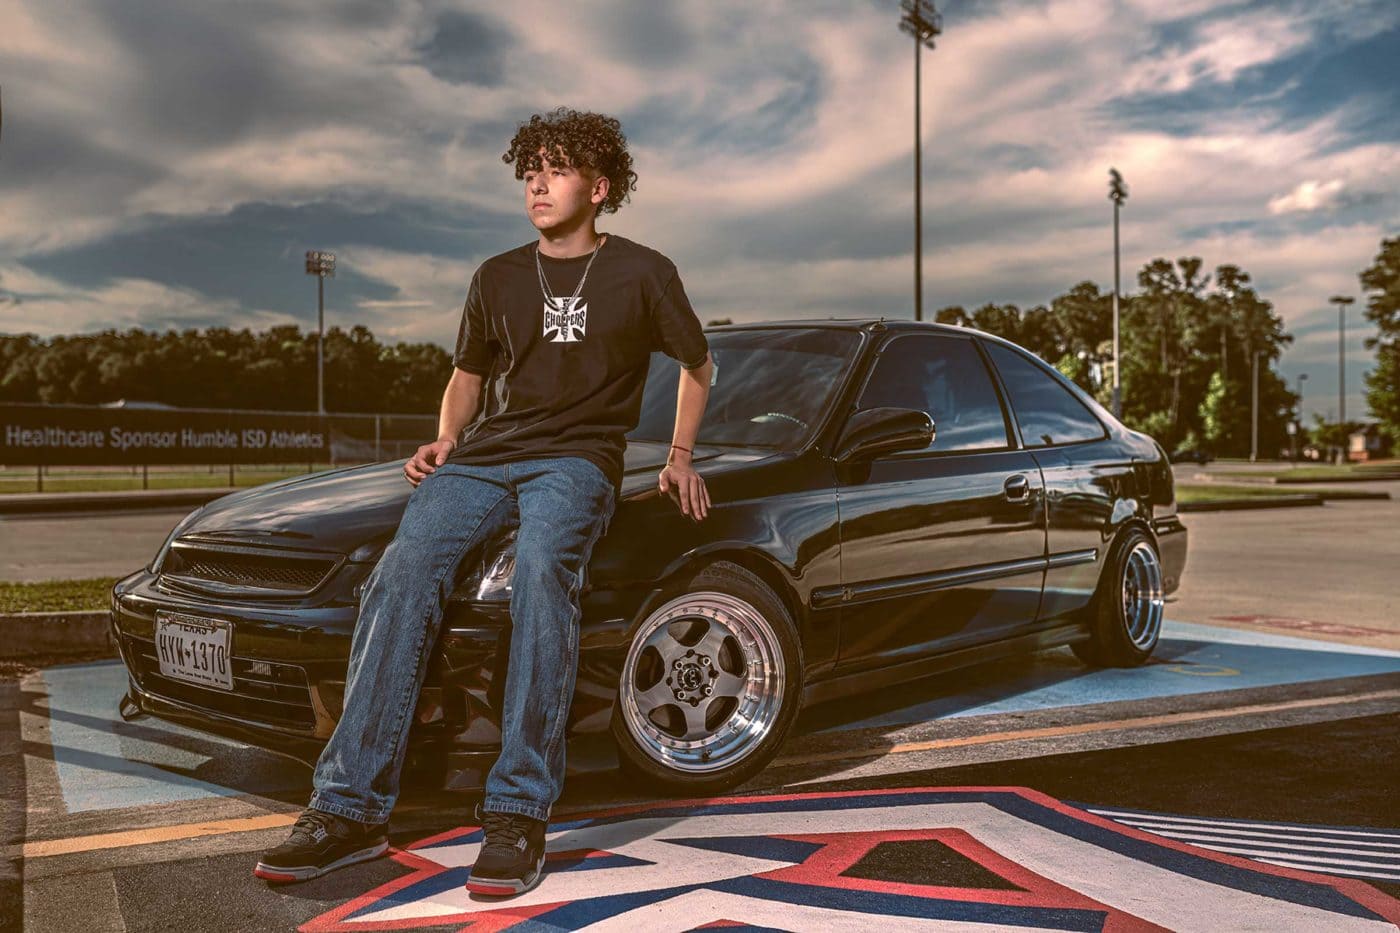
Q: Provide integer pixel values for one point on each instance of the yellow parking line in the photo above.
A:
(139, 837)
(157, 834)
(1110, 725)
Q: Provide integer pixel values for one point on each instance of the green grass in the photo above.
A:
(1213, 492)
(1216, 491)
(57, 595)
(1320, 471)
(115, 479)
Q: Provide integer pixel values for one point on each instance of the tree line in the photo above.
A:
(1381, 282)
(219, 367)
(1188, 343)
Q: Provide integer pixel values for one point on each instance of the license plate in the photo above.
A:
(195, 649)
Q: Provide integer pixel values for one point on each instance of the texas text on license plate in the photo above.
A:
(194, 649)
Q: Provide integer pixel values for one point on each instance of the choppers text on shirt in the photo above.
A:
(564, 321)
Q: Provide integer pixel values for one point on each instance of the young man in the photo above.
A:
(562, 330)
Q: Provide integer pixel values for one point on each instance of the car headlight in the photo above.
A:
(488, 581)
(493, 584)
(174, 533)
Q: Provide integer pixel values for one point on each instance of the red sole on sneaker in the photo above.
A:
(276, 876)
(306, 874)
(490, 889)
(506, 887)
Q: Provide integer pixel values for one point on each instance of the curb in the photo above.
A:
(16, 503)
(1347, 495)
(1289, 501)
(1356, 478)
(23, 634)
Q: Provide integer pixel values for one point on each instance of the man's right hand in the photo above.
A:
(428, 458)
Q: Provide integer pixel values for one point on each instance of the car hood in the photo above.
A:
(360, 507)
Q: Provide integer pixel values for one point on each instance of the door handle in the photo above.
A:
(1017, 487)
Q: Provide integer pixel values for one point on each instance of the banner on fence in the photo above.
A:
(61, 435)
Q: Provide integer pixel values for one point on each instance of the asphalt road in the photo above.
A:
(81, 545)
(1326, 572)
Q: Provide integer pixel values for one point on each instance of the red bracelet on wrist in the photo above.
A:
(679, 447)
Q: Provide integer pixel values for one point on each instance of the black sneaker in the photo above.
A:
(321, 842)
(511, 860)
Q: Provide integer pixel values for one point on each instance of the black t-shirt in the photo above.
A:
(567, 381)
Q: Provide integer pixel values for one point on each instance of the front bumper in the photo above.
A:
(289, 661)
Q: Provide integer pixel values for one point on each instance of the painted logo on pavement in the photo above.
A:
(903, 859)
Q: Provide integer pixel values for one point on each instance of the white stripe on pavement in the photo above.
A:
(1385, 857)
(1122, 816)
(1262, 838)
(1380, 875)
(1278, 844)
(1314, 859)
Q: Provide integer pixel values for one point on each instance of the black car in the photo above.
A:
(1191, 455)
(890, 499)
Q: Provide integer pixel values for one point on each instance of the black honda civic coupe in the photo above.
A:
(889, 500)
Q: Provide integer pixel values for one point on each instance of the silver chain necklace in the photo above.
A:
(544, 285)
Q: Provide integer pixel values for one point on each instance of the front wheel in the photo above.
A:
(1125, 616)
(710, 686)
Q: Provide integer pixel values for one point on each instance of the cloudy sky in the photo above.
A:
(166, 163)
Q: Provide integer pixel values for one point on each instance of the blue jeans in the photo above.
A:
(560, 506)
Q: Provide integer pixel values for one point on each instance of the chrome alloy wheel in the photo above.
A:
(703, 682)
(1143, 599)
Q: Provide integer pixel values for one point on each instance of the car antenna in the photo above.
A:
(878, 325)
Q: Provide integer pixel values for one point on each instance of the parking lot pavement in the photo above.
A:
(146, 825)
(1325, 573)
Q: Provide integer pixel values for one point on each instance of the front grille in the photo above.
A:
(287, 575)
(280, 698)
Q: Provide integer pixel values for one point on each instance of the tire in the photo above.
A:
(1125, 615)
(719, 644)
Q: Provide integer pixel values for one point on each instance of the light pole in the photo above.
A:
(1254, 408)
(320, 264)
(921, 21)
(1117, 193)
(1341, 301)
(1302, 378)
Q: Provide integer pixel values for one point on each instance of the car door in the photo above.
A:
(942, 547)
(1084, 475)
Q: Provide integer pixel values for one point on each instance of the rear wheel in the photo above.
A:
(1125, 615)
(711, 684)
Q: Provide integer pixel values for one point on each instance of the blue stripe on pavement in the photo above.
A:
(104, 763)
(1189, 659)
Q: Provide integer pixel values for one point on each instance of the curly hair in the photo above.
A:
(582, 140)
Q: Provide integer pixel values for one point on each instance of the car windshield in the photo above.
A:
(770, 387)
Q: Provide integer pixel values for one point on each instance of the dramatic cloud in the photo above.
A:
(169, 162)
(1308, 196)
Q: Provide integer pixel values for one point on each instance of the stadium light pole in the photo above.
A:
(1254, 408)
(320, 264)
(1302, 378)
(921, 21)
(1117, 193)
(1341, 301)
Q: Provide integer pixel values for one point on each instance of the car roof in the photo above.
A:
(858, 323)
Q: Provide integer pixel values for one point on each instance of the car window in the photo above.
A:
(1047, 411)
(944, 376)
(771, 386)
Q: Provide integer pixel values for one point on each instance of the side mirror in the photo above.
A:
(877, 431)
